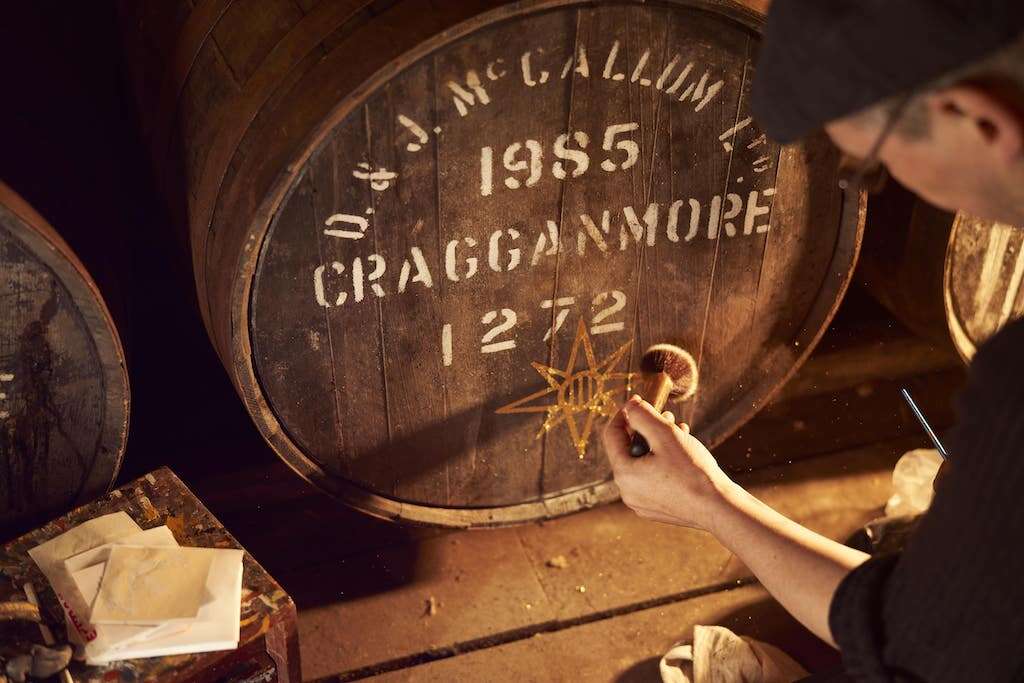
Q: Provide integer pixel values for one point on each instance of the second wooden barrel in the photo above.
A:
(432, 240)
(902, 259)
(63, 382)
(983, 280)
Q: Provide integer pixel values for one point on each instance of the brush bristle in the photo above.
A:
(671, 360)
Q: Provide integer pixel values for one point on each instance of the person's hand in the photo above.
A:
(678, 482)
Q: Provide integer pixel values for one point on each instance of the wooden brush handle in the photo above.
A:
(658, 388)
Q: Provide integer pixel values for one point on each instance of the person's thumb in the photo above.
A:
(643, 418)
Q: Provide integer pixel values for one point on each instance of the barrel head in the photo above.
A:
(63, 385)
(983, 276)
(457, 288)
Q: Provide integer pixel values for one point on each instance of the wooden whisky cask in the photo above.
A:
(902, 260)
(63, 382)
(432, 240)
(984, 270)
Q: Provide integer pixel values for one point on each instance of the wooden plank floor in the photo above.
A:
(498, 587)
(626, 649)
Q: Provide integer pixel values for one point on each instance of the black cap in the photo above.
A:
(824, 59)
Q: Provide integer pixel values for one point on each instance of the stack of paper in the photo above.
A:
(130, 593)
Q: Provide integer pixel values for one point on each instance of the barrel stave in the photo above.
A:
(250, 29)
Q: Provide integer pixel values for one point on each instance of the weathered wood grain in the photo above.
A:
(431, 269)
(63, 383)
(983, 277)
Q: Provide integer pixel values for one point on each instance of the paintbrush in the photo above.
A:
(669, 370)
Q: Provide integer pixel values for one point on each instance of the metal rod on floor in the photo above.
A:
(924, 423)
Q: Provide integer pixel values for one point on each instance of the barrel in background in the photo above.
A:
(983, 277)
(902, 260)
(431, 241)
(63, 383)
(951, 278)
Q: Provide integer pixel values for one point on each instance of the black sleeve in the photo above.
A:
(951, 607)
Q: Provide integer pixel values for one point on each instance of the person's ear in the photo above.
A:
(999, 125)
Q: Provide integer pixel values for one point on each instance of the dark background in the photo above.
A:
(72, 147)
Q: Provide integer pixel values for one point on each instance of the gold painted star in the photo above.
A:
(588, 391)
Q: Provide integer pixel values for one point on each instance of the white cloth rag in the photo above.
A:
(718, 655)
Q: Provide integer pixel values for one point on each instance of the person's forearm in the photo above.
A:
(799, 567)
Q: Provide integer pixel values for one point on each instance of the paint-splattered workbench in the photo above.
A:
(268, 644)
